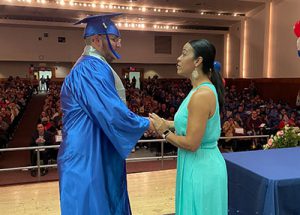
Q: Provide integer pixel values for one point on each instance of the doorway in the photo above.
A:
(136, 76)
(42, 76)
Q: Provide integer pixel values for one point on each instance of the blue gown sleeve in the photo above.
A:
(95, 92)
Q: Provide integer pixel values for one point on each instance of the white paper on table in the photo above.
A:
(262, 125)
(239, 130)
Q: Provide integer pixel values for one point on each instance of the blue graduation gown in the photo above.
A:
(99, 132)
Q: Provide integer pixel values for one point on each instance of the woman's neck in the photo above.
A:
(201, 79)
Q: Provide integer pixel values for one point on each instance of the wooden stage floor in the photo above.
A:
(150, 193)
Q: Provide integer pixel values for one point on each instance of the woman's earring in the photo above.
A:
(195, 74)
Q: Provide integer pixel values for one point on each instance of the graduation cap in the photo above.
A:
(101, 24)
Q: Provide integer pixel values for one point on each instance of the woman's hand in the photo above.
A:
(160, 124)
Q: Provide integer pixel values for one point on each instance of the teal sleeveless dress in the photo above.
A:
(201, 181)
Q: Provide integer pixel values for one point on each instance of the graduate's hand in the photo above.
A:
(151, 127)
(160, 124)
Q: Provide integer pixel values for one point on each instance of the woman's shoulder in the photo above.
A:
(203, 93)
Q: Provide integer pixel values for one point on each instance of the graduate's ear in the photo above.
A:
(96, 40)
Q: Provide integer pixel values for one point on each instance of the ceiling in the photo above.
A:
(187, 13)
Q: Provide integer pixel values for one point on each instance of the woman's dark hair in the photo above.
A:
(206, 50)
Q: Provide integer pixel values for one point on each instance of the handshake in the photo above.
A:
(159, 125)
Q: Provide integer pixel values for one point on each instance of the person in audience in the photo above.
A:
(35, 84)
(229, 127)
(274, 120)
(239, 120)
(6, 115)
(46, 123)
(286, 121)
(253, 124)
(43, 83)
(133, 82)
(164, 113)
(41, 138)
(47, 82)
(3, 133)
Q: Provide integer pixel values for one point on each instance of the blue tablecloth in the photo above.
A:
(264, 182)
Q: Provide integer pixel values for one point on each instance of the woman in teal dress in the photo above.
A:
(201, 182)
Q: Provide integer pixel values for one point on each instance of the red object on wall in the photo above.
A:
(297, 28)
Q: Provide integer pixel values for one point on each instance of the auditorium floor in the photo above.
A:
(150, 193)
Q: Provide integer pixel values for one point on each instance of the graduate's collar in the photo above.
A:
(91, 51)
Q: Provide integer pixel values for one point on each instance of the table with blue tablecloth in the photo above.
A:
(264, 182)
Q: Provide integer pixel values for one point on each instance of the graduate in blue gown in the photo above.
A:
(99, 131)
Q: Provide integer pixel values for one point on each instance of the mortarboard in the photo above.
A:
(101, 24)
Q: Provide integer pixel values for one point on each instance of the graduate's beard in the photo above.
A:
(110, 58)
(108, 55)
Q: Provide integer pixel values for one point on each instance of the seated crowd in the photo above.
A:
(245, 112)
(14, 96)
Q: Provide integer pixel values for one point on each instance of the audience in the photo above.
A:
(244, 110)
(14, 96)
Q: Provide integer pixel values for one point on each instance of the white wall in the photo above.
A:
(21, 47)
(14, 69)
(162, 70)
(22, 44)
(234, 51)
(21, 69)
(284, 59)
(138, 47)
(62, 69)
(255, 45)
